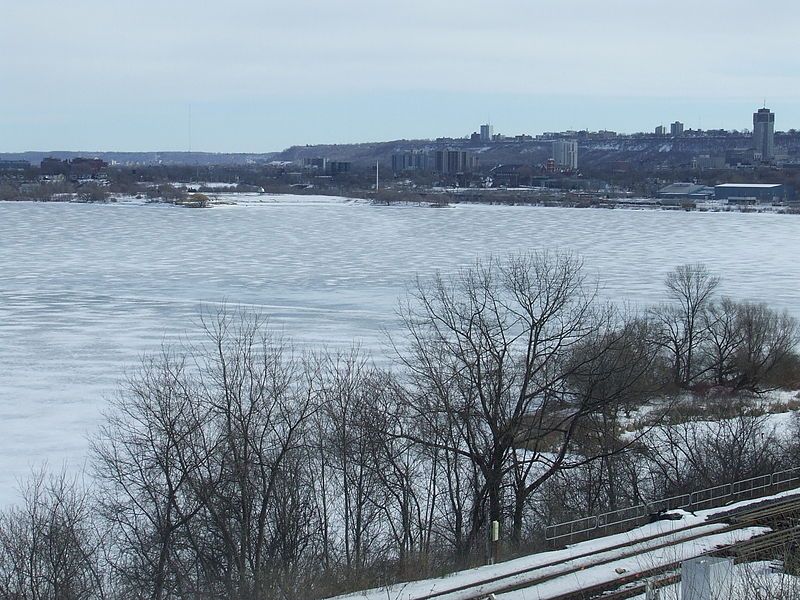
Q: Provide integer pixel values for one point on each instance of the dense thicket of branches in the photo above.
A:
(243, 469)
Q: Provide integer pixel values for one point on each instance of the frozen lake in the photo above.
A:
(87, 289)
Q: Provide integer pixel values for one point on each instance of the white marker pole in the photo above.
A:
(495, 541)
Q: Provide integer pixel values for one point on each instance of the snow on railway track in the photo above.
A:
(627, 565)
(602, 561)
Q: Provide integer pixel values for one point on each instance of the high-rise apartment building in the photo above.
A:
(764, 133)
(661, 130)
(676, 129)
(565, 153)
(413, 160)
(487, 133)
(453, 161)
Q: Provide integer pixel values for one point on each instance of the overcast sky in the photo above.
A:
(261, 75)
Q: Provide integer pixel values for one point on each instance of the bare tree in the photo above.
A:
(50, 547)
(747, 344)
(143, 457)
(721, 322)
(408, 475)
(767, 338)
(504, 361)
(351, 446)
(691, 289)
(618, 378)
(201, 453)
(377, 497)
(260, 398)
(701, 454)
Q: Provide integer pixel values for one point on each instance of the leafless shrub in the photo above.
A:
(50, 548)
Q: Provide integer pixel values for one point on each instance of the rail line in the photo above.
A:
(761, 546)
(759, 514)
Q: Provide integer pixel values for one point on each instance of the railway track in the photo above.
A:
(765, 546)
(769, 513)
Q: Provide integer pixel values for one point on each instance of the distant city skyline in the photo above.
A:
(248, 76)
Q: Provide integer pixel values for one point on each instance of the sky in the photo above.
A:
(262, 75)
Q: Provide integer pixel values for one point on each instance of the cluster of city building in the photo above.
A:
(564, 156)
(76, 168)
(54, 169)
(451, 161)
(675, 129)
(763, 151)
(763, 134)
(447, 162)
(327, 167)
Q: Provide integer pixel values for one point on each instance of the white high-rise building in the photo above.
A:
(565, 153)
(487, 133)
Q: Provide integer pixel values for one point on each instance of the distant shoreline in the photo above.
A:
(245, 200)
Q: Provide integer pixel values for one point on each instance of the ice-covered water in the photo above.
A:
(86, 289)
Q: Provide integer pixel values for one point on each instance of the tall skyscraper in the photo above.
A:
(487, 133)
(565, 153)
(764, 133)
(676, 129)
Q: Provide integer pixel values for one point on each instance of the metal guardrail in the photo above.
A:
(627, 518)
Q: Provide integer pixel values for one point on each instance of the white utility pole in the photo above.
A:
(377, 178)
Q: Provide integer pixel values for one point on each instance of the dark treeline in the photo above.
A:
(159, 182)
(244, 469)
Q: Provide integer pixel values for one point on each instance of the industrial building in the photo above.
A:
(753, 193)
(685, 191)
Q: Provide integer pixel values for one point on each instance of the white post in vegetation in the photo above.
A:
(706, 578)
(494, 539)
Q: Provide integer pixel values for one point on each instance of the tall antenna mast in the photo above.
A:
(190, 127)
